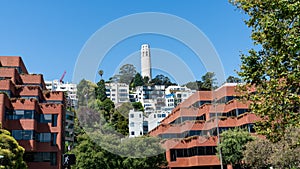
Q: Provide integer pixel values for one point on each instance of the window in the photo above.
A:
(123, 90)
(163, 115)
(54, 120)
(132, 133)
(44, 137)
(45, 118)
(131, 115)
(154, 115)
(158, 115)
(41, 157)
(23, 134)
(132, 124)
(53, 139)
(21, 114)
(140, 115)
(49, 118)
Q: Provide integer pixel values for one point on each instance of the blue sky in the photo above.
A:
(50, 34)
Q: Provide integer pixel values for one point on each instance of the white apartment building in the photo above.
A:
(180, 93)
(136, 123)
(140, 124)
(117, 92)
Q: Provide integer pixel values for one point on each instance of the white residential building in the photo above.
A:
(154, 119)
(136, 123)
(117, 92)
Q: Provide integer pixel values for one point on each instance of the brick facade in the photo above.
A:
(33, 115)
(190, 132)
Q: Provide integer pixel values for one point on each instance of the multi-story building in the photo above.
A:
(191, 130)
(34, 115)
(117, 92)
(71, 103)
(136, 123)
(69, 88)
(180, 93)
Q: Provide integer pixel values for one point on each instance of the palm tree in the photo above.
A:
(100, 72)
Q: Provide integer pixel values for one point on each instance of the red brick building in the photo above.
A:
(191, 130)
(33, 115)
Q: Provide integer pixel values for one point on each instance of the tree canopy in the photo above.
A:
(126, 74)
(261, 153)
(273, 66)
(232, 146)
(232, 79)
(207, 82)
(161, 80)
(11, 152)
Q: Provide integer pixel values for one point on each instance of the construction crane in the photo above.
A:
(62, 77)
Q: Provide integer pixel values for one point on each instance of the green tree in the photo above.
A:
(100, 90)
(273, 66)
(127, 73)
(258, 153)
(89, 154)
(138, 106)
(232, 146)
(85, 92)
(194, 85)
(137, 81)
(162, 80)
(120, 118)
(11, 152)
(232, 79)
(208, 81)
(261, 153)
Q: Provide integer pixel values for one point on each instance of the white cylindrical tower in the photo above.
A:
(146, 61)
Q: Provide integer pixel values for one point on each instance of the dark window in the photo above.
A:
(194, 151)
(21, 114)
(44, 137)
(41, 157)
(54, 120)
(23, 134)
(49, 118)
(53, 139)
(45, 118)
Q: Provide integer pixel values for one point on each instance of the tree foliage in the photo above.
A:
(100, 90)
(126, 74)
(11, 151)
(207, 82)
(138, 106)
(257, 153)
(232, 146)
(137, 81)
(274, 66)
(85, 92)
(261, 153)
(161, 80)
(232, 79)
(90, 154)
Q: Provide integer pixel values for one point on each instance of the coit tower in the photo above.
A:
(146, 61)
